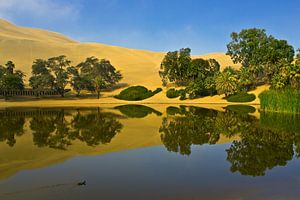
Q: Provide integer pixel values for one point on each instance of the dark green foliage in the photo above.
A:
(41, 78)
(227, 82)
(58, 67)
(55, 73)
(241, 97)
(173, 93)
(136, 93)
(11, 79)
(241, 109)
(197, 74)
(95, 75)
(262, 54)
(137, 111)
(287, 100)
(174, 66)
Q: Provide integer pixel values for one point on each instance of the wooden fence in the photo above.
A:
(28, 92)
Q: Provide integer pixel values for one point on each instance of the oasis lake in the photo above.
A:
(148, 152)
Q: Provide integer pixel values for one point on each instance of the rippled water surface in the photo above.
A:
(155, 152)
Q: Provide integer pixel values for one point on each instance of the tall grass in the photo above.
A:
(287, 100)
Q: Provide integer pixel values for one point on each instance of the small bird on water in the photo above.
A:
(81, 183)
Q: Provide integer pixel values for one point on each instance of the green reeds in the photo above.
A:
(286, 100)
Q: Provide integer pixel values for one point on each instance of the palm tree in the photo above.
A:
(226, 83)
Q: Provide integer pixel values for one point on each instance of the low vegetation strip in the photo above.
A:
(137, 93)
(286, 100)
(241, 97)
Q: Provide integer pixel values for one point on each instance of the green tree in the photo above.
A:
(79, 81)
(245, 79)
(264, 55)
(210, 85)
(11, 79)
(41, 78)
(199, 69)
(59, 69)
(98, 84)
(297, 61)
(226, 83)
(96, 75)
(174, 67)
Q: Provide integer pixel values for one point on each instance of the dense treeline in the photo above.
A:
(56, 73)
(263, 59)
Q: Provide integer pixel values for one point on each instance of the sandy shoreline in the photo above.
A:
(108, 99)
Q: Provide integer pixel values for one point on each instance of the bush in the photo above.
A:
(173, 93)
(136, 93)
(241, 97)
(287, 100)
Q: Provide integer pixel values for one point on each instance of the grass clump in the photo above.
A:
(173, 93)
(136, 93)
(287, 100)
(241, 97)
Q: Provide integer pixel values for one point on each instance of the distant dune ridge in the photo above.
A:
(24, 45)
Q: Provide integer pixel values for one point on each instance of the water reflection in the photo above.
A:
(137, 111)
(261, 145)
(10, 127)
(51, 128)
(257, 144)
(185, 126)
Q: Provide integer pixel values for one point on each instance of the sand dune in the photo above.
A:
(23, 45)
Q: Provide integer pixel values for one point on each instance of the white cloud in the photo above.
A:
(50, 10)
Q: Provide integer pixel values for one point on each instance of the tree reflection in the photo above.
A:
(260, 150)
(11, 125)
(137, 111)
(51, 130)
(193, 126)
(95, 128)
(92, 127)
(261, 146)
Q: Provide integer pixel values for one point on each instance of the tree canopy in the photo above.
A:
(263, 54)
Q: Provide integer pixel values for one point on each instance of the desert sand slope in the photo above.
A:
(24, 45)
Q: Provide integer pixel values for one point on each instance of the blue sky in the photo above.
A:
(158, 25)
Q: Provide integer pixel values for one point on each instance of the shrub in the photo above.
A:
(286, 100)
(241, 97)
(136, 93)
(173, 93)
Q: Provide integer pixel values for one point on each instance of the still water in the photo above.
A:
(139, 152)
